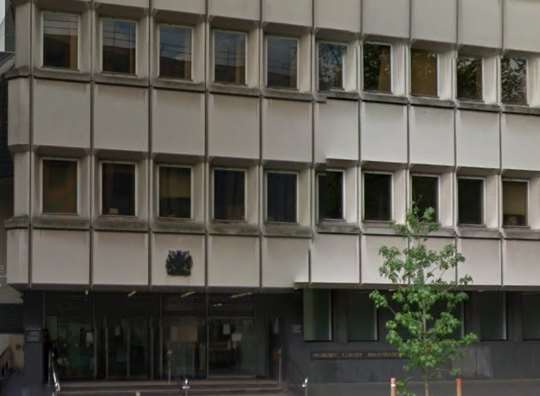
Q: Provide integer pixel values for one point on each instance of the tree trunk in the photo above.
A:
(426, 386)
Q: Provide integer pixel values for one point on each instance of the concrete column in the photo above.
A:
(34, 343)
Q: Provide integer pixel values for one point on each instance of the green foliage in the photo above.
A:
(423, 325)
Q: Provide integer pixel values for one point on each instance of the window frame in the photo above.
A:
(527, 201)
(137, 33)
(213, 56)
(331, 316)
(431, 175)
(391, 62)
(266, 57)
(504, 307)
(484, 201)
(158, 40)
(158, 192)
(343, 196)
(483, 67)
(213, 195)
(42, 49)
(344, 65)
(391, 174)
(376, 325)
(266, 190)
(42, 190)
(438, 67)
(136, 188)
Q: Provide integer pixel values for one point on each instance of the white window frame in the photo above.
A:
(213, 194)
(343, 196)
(246, 57)
(266, 57)
(438, 177)
(136, 189)
(266, 190)
(343, 60)
(380, 43)
(527, 200)
(158, 40)
(483, 64)
(438, 93)
(392, 216)
(42, 190)
(484, 201)
(136, 22)
(191, 188)
(42, 47)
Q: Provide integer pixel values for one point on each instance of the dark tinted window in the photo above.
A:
(118, 189)
(229, 194)
(331, 195)
(515, 203)
(425, 194)
(60, 40)
(361, 317)
(423, 73)
(331, 61)
(530, 315)
(377, 196)
(317, 315)
(491, 307)
(119, 46)
(469, 78)
(470, 201)
(281, 198)
(230, 57)
(514, 80)
(377, 69)
(174, 192)
(282, 62)
(175, 52)
(59, 186)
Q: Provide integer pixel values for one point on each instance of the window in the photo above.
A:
(118, 189)
(119, 46)
(175, 192)
(361, 317)
(492, 315)
(281, 197)
(377, 197)
(175, 52)
(60, 40)
(425, 194)
(423, 73)
(470, 201)
(59, 186)
(377, 69)
(230, 57)
(469, 78)
(330, 195)
(282, 53)
(514, 80)
(229, 194)
(331, 64)
(515, 202)
(530, 315)
(317, 315)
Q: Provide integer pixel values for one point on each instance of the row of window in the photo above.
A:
(175, 189)
(119, 46)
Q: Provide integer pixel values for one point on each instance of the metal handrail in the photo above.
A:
(54, 382)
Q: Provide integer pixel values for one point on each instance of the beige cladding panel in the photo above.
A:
(432, 136)
(477, 139)
(285, 261)
(233, 261)
(372, 260)
(338, 14)
(434, 20)
(334, 259)
(18, 111)
(17, 256)
(297, 12)
(482, 261)
(190, 6)
(244, 9)
(488, 32)
(386, 18)
(520, 263)
(128, 3)
(521, 27)
(520, 142)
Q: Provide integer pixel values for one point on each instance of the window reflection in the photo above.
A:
(119, 46)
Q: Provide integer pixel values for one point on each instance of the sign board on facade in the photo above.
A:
(33, 336)
(354, 355)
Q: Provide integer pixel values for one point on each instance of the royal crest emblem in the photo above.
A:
(179, 263)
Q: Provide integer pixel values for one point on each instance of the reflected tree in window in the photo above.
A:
(377, 69)
(331, 62)
(514, 80)
(469, 78)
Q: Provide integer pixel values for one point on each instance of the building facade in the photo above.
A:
(201, 187)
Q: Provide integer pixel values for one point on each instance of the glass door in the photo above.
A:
(116, 348)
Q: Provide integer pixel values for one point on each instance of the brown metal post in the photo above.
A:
(393, 387)
(459, 385)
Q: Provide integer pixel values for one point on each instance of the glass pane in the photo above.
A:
(117, 342)
(514, 80)
(317, 315)
(377, 68)
(377, 196)
(119, 46)
(118, 189)
(530, 315)
(175, 52)
(471, 201)
(492, 312)
(59, 186)
(425, 194)
(60, 40)
(423, 73)
(331, 196)
(281, 199)
(469, 78)
(515, 203)
(139, 348)
(229, 194)
(331, 61)
(361, 317)
(230, 57)
(282, 62)
(174, 192)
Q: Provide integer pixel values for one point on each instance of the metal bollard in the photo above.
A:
(459, 387)
(137, 393)
(305, 386)
(393, 387)
(186, 387)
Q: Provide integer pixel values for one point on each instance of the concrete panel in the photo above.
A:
(128, 3)
(485, 34)
(121, 118)
(120, 258)
(163, 244)
(477, 139)
(383, 133)
(520, 263)
(372, 260)
(61, 114)
(434, 20)
(520, 142)
(336, 131)
(17, 256)
(21, 184)
(338, 14)
(245, 9)
(334, 259)
(482, 261)
(191, 6)
(178, 123)
(521, 28)
(232, 120)
(285, 261)
(297, 12)
(18, 111)
(386, 17)
(437, 244)
(287, 130)
(233, 261)
(61, 257)
(432, 136)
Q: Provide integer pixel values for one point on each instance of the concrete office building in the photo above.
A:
(200, 185)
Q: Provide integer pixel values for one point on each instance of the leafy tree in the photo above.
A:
(423, 325)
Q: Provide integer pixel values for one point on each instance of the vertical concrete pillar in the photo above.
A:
(34, 342)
